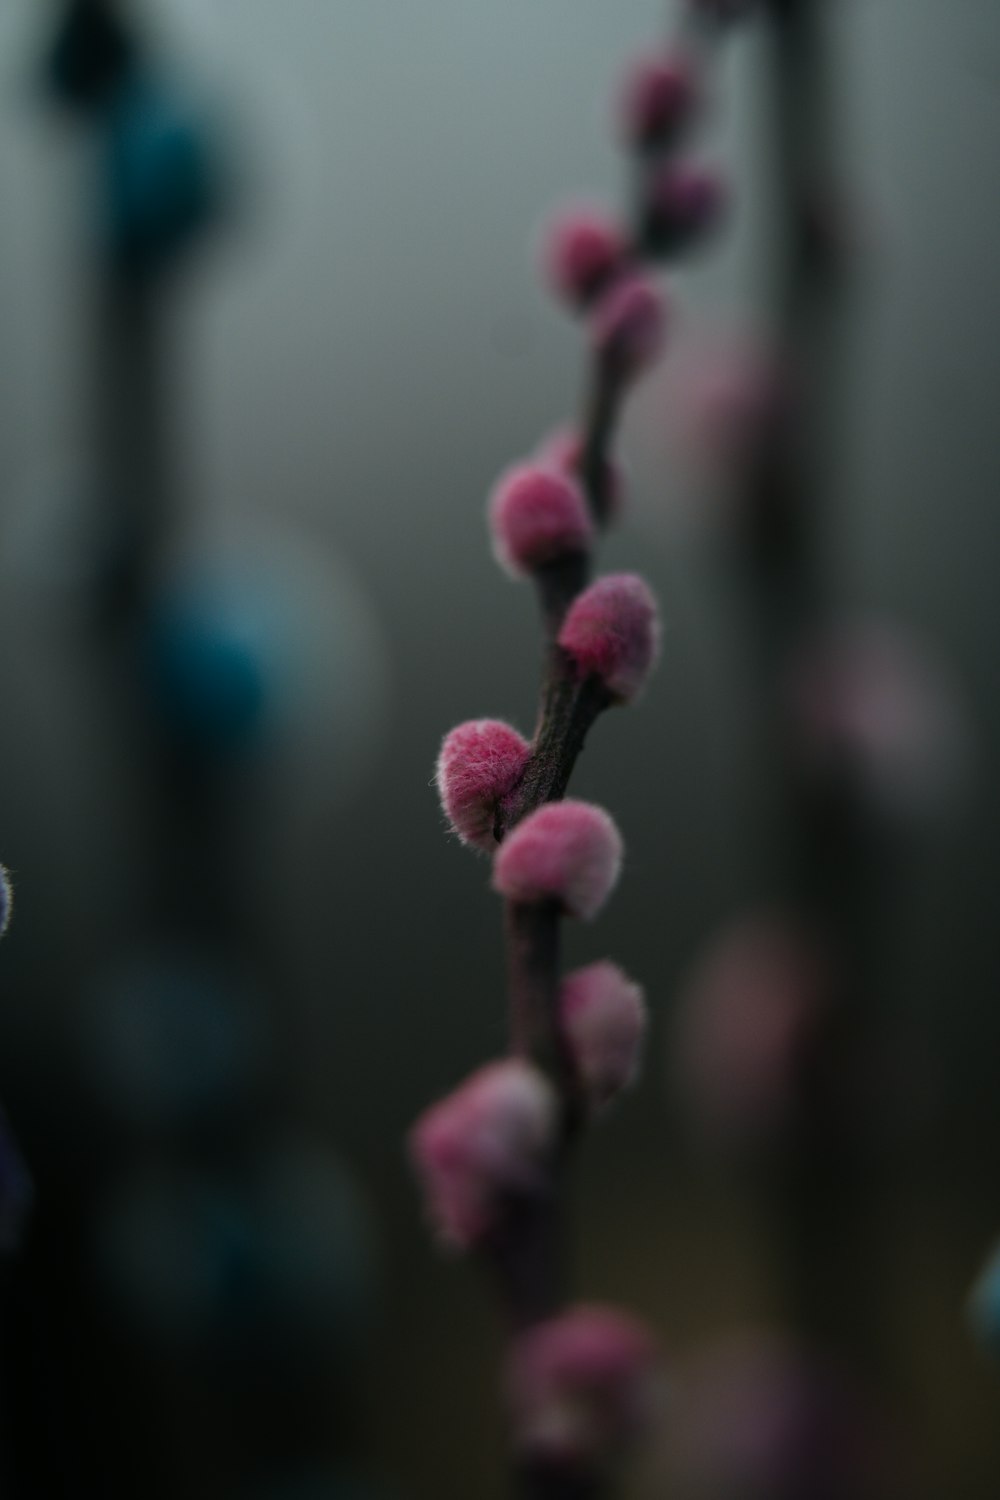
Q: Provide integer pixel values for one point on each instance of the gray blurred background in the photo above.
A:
(352, 364)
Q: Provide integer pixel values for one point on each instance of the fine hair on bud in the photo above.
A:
(483, 1146)
(479, 763)
(602, 1014)
(583, 249)
(581, 1387)
(537, 515)
(567, 852)
(612, 632)
(6, 899)
(628, 326)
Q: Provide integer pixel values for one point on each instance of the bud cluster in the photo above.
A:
(488, 1155)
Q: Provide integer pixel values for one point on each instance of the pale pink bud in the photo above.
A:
(628, 324)
(483, 1145)
(581, 1387)
(537, 515)
(612, 631)
(603, 1018)
(6, 900)
(658, 98)
(569, 852)
(480, 762)
(747, 1021)
(682, 203)
(564, 451)
(583, 249)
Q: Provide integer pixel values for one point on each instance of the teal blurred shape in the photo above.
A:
(208, 660)
(984, 1306)
(264, 1263)
(176, 1036)
(163, 179)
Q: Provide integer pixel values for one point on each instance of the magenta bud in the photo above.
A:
(582, 1387)
(603, 1018)
(564, 451)
(479, 763)
(6, 900)
(683, 202)
(569, 852)
(628, 325)
(612, 631)
(658, 99)
(485, 1144)
(536, 516)
(583, 249)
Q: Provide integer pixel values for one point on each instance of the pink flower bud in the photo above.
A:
(583, 249)
(564, 451)
(581, 1387)
(658, 98)
(627, 325)
(682, 203)
(612, 632)
(603, 1016)
(484, 1144)
(570, 852)
(480, 762)
(6, 900)
(537, 515)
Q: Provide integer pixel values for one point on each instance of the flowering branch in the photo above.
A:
(492, 1155)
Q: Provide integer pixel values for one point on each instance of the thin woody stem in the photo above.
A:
(528, 1252)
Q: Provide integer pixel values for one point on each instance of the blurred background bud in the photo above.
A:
(757, 1417)
(746, 1018)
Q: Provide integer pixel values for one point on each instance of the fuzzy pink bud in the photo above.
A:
(658, 98)
(612, 632)
(570, 852)
(479, 763)
(581, 1387)
(484, 1144)
(603, 1018)
(6, 900)
(628, 325)
(537, 515)
(583, 249)
(683, 202)
(564, 451)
